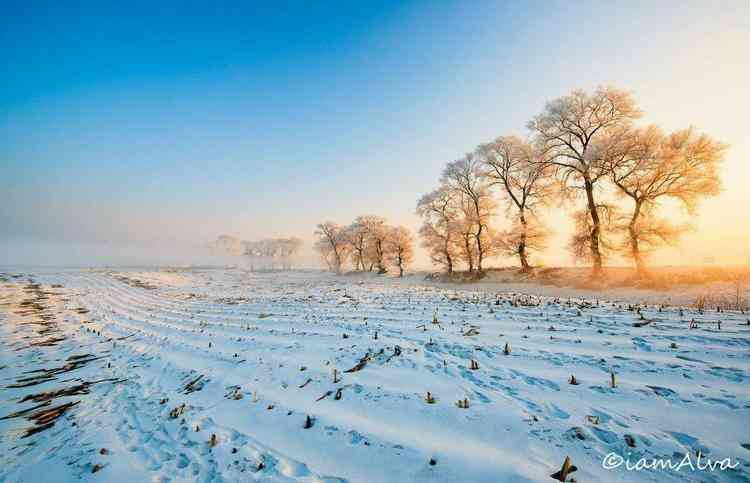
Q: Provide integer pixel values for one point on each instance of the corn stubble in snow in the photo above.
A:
(300, 366)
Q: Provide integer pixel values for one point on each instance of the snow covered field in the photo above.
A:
(224, 375)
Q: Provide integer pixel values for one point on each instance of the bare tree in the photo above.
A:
(523, 238)
(647, 165)
(400, 248)
(332, 245)
(226, 245)
(289, 248)
(568, 134)
(377, 236)
(646, 232)
(580, 241)
(467, 177)
(438, 231)
(740, 279)
(526, 183)
(466, 229)
(357, 237)
(264, 253)
(365, 239)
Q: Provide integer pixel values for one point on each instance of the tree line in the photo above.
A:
(583, 150)
(269, 253)
(368, 244)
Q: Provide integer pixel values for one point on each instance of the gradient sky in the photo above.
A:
(168, 124)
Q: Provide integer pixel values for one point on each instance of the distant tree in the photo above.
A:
(466, 176)
(227, 245)
(400, 248)
(439, 234)
(568, 133)
(436, 243)
(647, 165)
(266, 253)
(288, 251)
(262, 253)
(466, 228)
(332, 245)
(366, 236)
(377, 240)
(525, 182)
(357, 237)
(270, 252)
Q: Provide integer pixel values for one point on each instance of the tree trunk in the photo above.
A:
(635, 251)
(595, 229)
(338, 264)
(478, 236)
(525, 267)
(336, 255)
(469, 257)
(448, 258)
(480, 252)
(380, 254)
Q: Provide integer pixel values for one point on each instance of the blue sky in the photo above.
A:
(178, 122)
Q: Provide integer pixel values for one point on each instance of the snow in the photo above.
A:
(238, 348)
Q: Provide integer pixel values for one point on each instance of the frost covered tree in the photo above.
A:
(332, 245)
(647, 166)
(365, 239)
(569, 133)
(289, 249)
(466, 229)
(262, 253)
(356, 235)
(526, 183)
(439, 230)
(522, 240)
(266, 253)
(580, 241)
(272, 252)
(400, 244)
(466, 177)
(377, 242)
(227, 245)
